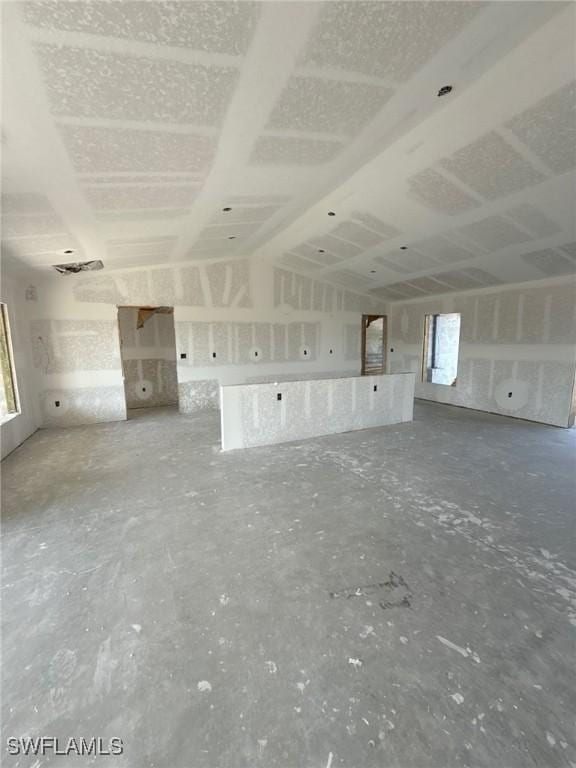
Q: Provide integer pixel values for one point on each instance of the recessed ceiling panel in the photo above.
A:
(220, 27)
(349, 230)
(95, 149)
(327, 106)
(435, 191)
(410, 261)
(339, 247)
(549, 129)
(444, 250)
(134, 88)
(144, 214)
(135, 245)
(550, 262)
(534, 220)
(374, 223)
(350, 279)
(110, 198)
(292, 260)
(312, 252)
(482, 276)
(494, 233)
(385, 39)
(245, 213)
(492, 168)
(285, 150)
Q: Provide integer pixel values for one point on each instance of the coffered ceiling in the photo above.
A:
(309, 134)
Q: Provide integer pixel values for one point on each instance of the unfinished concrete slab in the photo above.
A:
(401, 596)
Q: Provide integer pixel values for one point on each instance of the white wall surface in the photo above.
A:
(236, 321)
(17, 427)
(517, 349)
(253, 415)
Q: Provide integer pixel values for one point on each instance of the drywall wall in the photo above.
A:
(517, 349)
(16, 293)
(148, 358)
(265, 414)
(235, 320)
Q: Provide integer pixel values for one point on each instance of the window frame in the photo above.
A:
(9, 381)
(430, 351)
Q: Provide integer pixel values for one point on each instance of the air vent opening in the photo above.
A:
(74, 267)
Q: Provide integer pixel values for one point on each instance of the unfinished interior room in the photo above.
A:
(288, 355)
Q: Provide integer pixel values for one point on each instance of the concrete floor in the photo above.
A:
(403, 596)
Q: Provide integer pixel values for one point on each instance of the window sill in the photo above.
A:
(8, 417)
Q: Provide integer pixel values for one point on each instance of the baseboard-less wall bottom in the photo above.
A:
(265, 414)
(83, 405)
(195, 396)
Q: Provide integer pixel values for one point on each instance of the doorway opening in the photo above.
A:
(148, 353)
(374, 342)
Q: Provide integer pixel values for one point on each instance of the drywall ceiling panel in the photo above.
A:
(217, 27)
(145, 120)
(143, 214)
(492, 168)
(459, 279)
(110, 198)
(549, 128)
(133, 247)
(482, 276)
(494, 233)
(435, 191)
(135, 88)
(287, 150)
(245, 213)
(25, 203)
(313, 253)
(350, 278)
(97, 149)
(550, 262)
(443, 250)
(292, 260)
(319, 105)
(377, 225)
(354, 233)
(59, 243)
(335, 245)
(410, 260)
(14, 225)
(387, 40)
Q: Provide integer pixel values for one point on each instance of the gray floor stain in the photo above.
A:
(396, 597)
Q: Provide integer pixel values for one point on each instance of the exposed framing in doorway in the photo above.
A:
(148, 354)
(374, 344)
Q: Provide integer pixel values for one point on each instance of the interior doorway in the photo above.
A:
(148, 352)
(374, 342)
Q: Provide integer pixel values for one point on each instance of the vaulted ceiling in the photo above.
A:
(310, 134)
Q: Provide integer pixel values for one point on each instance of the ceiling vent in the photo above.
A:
(78, 266)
